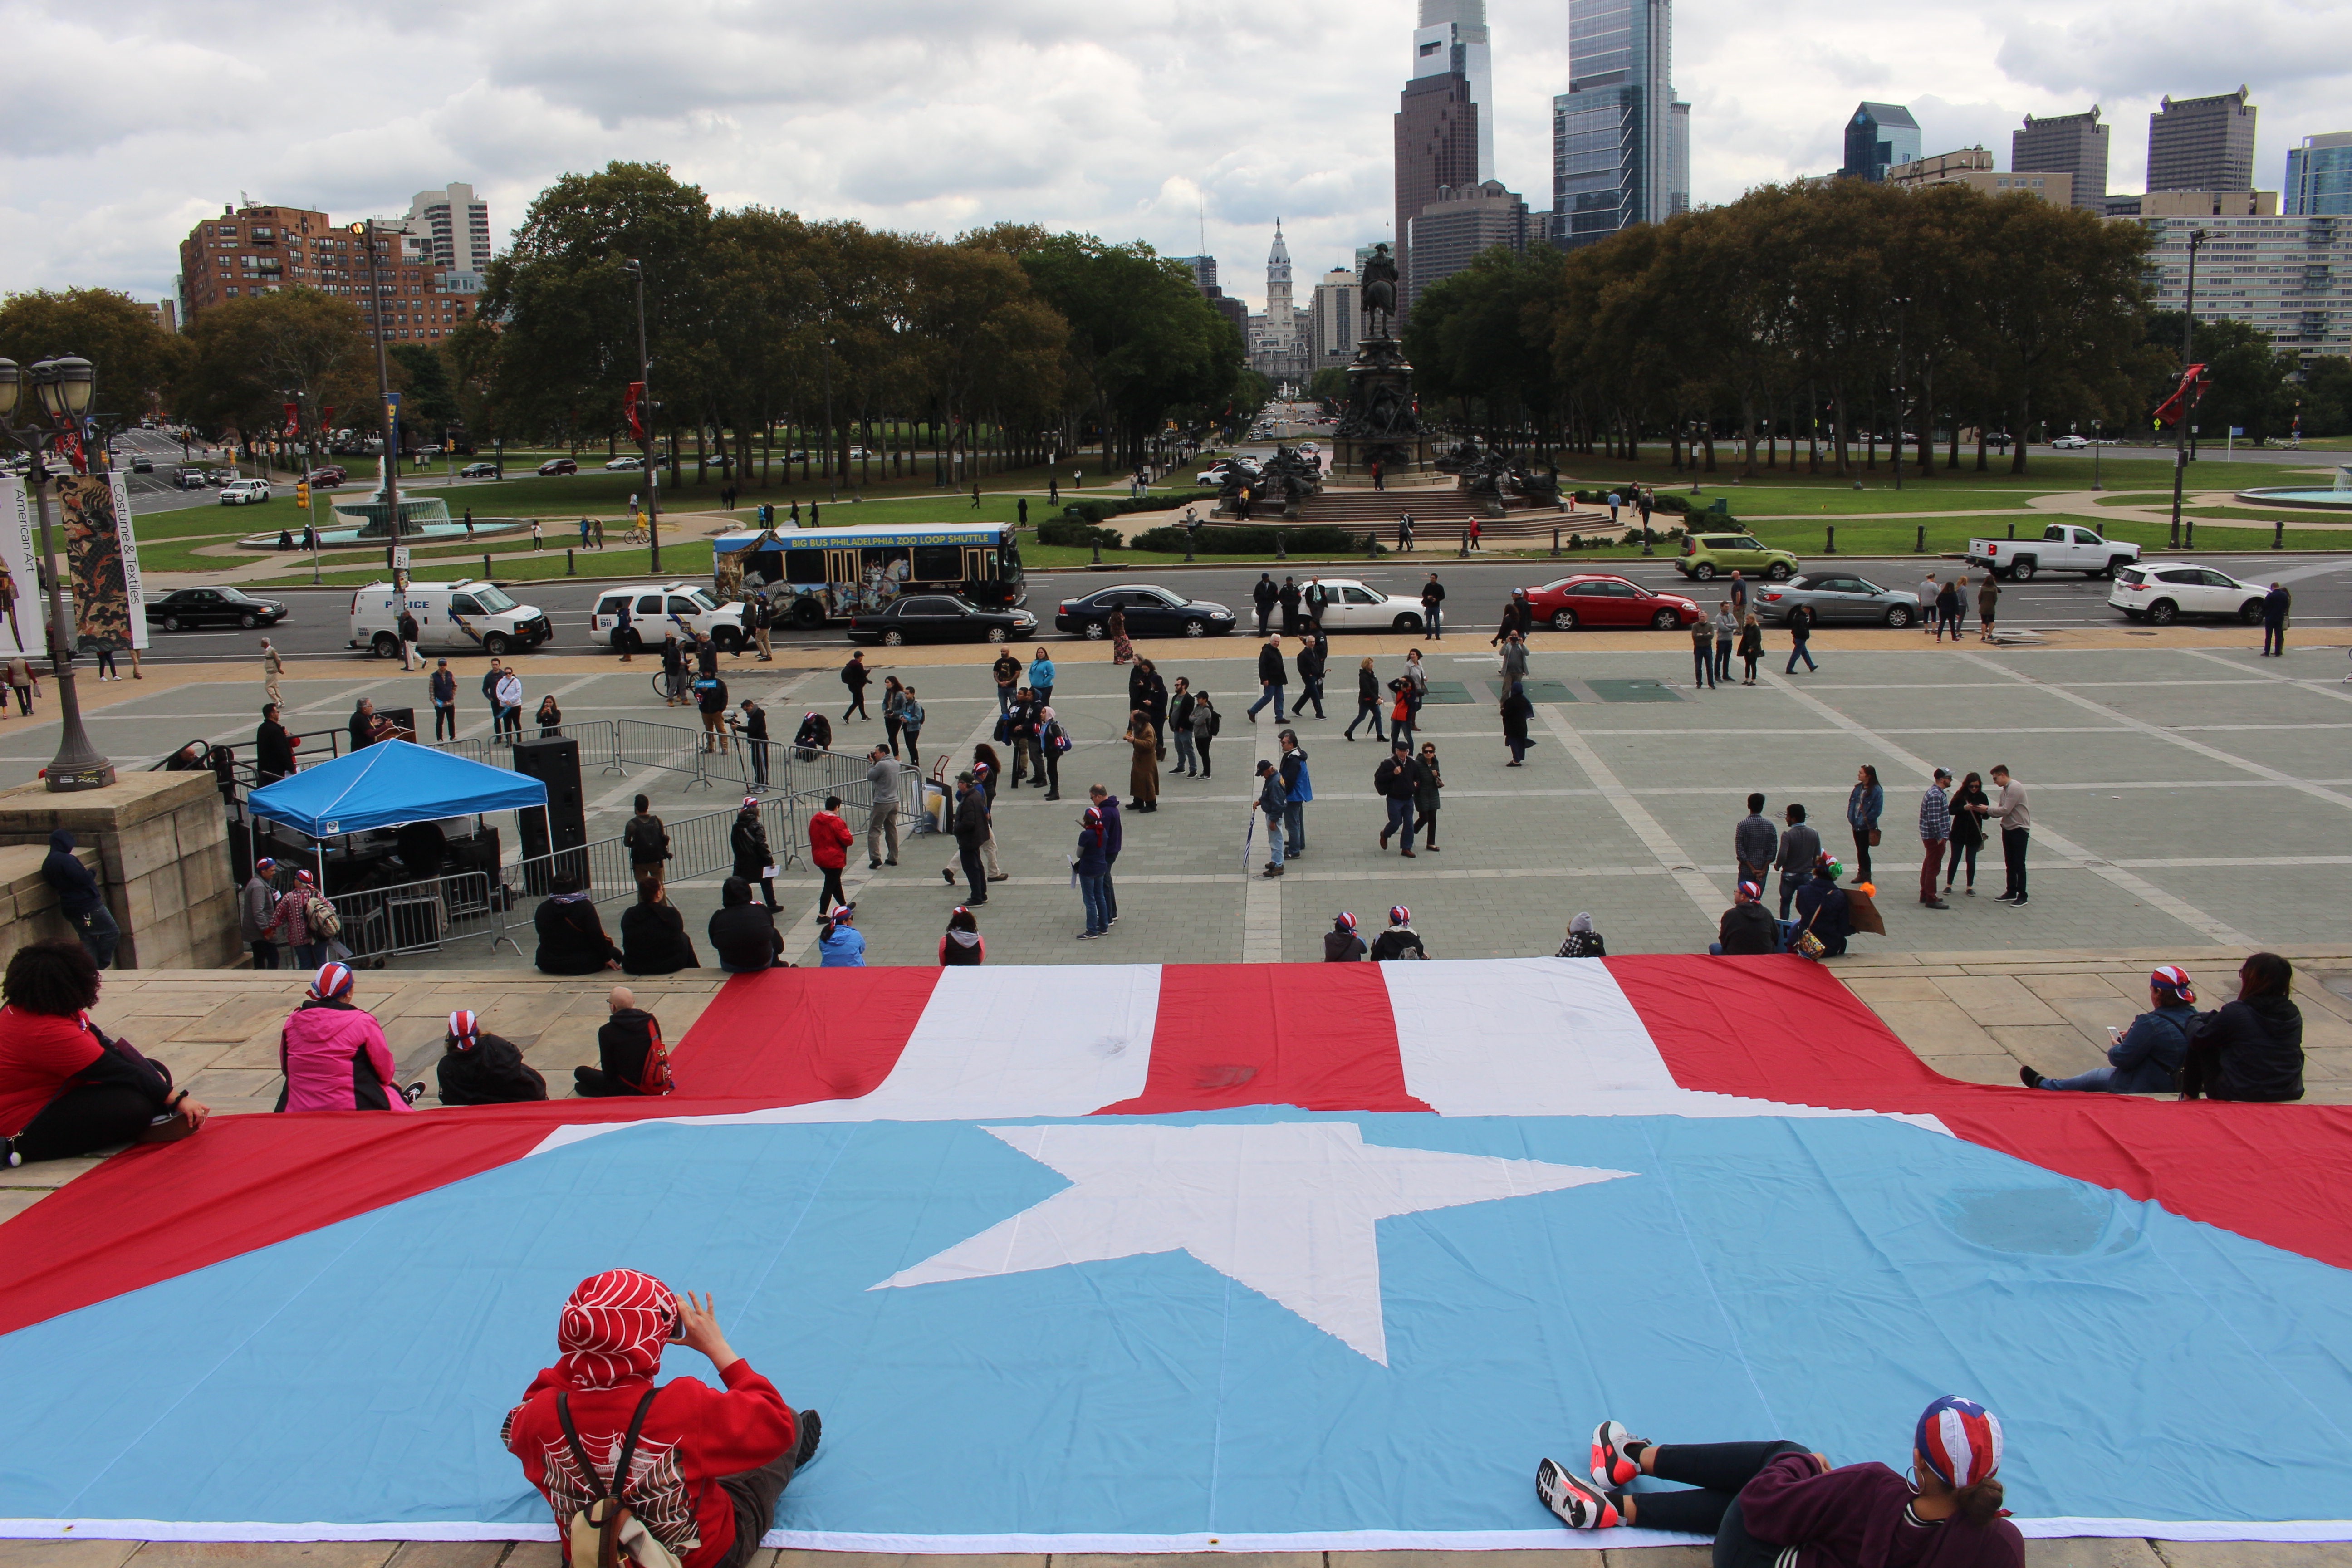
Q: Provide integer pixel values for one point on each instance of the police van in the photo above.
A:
(657, 609)
(460, 617)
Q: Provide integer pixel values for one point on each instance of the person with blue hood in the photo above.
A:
(842, 944)
(81, 900)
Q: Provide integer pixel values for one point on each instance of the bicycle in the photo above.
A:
(636, 536)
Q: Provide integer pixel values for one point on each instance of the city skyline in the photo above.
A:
(1125, 129)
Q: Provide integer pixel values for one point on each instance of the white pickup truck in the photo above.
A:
(2063, 547)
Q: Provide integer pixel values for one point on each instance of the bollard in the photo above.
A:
(1371, 546)
(2192, 533)
(571, 566)
(2013, 530)
(1919, 543)
(1830, 548)
(2278, 534)
(1555, 541)
(1097, 550)
(1188, 547)
(486, 566)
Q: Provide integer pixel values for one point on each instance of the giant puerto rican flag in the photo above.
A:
(1241, 1257)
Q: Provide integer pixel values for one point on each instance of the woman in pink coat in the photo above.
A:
(334, 1055)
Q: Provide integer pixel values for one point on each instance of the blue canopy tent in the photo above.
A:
(387, 785)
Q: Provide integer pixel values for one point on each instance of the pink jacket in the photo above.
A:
(335, 1058)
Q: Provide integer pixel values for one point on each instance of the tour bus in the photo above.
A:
(451, 617)
(814, 575)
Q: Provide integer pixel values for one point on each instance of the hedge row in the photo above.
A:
(1253, 540)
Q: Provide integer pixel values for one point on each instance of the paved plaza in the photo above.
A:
(2188, 794)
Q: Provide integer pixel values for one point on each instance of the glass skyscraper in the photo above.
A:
(1620, 144)
(2320, 176)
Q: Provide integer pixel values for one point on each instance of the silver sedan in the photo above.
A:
(1835, 598)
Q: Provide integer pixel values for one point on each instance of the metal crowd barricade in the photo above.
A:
(422, 916)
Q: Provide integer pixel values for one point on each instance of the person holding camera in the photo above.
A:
(718, 1458)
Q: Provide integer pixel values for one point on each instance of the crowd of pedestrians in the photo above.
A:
(1952, 822)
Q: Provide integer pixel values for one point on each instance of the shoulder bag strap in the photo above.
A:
(580, 1454)
(629, 1446)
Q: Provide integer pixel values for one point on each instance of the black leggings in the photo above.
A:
(1201, 744)
(1718, 1471)
(1959, 849)
(832, 893)
(1861, 853)
(93, 1116)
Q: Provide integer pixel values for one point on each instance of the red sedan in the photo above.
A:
(1591, 599)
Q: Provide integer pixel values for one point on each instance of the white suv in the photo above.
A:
(243, 492)
(2161, 591)
(657, 609)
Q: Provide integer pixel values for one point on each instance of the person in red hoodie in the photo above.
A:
(709, 1463)
(1772, 1503)
(829, 841)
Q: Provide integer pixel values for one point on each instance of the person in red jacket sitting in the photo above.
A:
(65, 1087)
(829, 842)
(708, 1464)
(1773, 1502)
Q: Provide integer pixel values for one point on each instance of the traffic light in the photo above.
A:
(302, 493)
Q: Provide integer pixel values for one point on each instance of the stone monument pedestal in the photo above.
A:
(162, 844)
(1380, 424)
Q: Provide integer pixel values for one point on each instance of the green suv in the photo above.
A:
(1706, 556)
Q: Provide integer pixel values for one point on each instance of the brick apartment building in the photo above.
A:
(253, 251)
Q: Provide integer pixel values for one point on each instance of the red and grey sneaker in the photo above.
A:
(1611, 1466)
(1578, 1505)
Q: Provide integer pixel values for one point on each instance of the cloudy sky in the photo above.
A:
(1132, 119)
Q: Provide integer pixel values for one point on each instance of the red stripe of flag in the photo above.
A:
(1318, 1036)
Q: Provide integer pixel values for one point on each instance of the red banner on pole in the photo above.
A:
(630, 405)
(293, 420)
(2194, 383)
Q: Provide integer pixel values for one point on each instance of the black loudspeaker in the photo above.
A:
(563, 826)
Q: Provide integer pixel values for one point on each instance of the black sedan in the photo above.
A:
(210, 606)
(1149, 612)
(939, 617)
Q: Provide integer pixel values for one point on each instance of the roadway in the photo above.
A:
(317, 626)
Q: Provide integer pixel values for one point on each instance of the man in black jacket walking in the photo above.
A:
(1399, 781)
(1311, 658)
(1271, 681)
(855, 674)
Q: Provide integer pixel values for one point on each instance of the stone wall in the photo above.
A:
(28, 905)
(160, 842)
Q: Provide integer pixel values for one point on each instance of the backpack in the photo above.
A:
(1216, 722)
(1057, 738)
(608, 1532)
(321, 918)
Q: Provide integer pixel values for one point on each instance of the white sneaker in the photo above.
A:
(1577, 1505)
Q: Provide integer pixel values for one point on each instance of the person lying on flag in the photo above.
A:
(1768, 1503)
(698, 1469)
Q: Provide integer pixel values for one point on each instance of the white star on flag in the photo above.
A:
(1286, 1209)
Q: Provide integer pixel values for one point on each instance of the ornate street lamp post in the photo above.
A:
(64, 386)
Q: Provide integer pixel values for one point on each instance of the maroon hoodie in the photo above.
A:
(1859, 1516)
